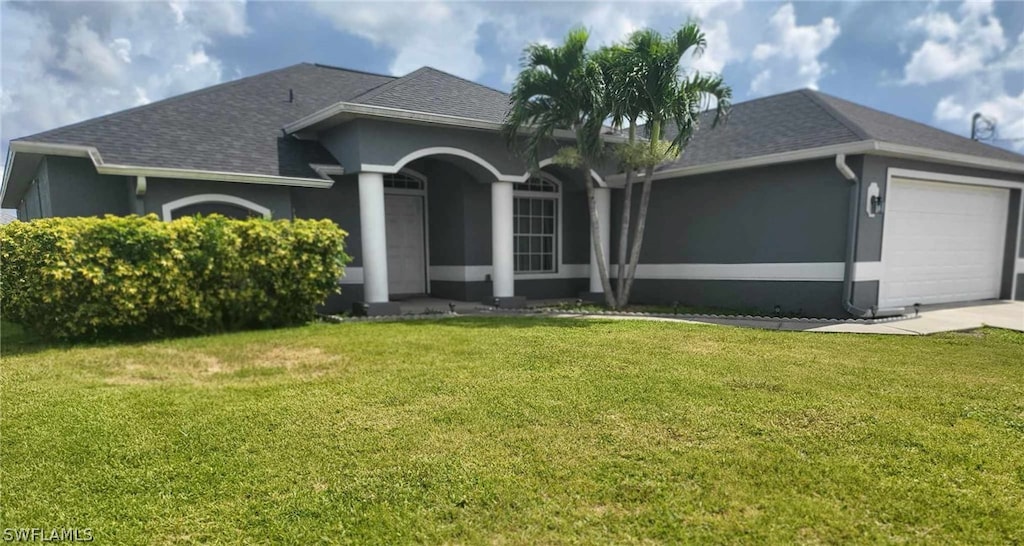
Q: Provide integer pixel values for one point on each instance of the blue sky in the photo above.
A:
(935, 62)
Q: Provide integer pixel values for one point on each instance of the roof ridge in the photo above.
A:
(467, 80)
(851, 125)
(376, 91)
(163, 101)
(343, 69)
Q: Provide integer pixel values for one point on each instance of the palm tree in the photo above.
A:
(563, 88)
(665, 95)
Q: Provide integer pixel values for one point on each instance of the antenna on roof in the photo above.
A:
(291, 96)
(986, 130)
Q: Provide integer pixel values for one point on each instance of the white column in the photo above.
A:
(602, 197)
(372, 233)
(501, 239)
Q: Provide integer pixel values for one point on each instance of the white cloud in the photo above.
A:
(790, 58)
(421, 34)
(954, 48)
(968, 53)
(719, 51)
(65, 62)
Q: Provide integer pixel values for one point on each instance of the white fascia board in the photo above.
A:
(900, 150)
(93, 154)
(401, 114)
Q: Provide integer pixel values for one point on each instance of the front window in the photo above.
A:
(535, 213)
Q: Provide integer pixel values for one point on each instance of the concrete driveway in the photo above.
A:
(944, 318)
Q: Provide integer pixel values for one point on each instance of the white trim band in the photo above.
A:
(353, 275)
(822, 271)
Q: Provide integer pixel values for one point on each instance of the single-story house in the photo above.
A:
(801, 203)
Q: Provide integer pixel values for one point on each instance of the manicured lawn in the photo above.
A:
(518, 431)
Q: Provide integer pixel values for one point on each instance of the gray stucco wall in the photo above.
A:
(74, 188)
(164, 190)
(779, 214)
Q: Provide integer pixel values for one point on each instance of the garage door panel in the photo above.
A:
(942, 242)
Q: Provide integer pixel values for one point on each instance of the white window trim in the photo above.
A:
(557, 198)
(171, 206)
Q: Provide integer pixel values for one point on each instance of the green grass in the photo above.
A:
(519, 431)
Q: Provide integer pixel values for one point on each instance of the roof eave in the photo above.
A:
(70, 150)
(871, 147)
(343, 111)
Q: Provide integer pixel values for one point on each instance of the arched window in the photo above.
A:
(404, 180)
(535, 225)
(210, 203)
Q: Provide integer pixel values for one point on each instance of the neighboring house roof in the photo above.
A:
(807, 119)
(232, 127)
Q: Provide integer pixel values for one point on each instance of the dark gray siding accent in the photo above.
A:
(873, 168)
(459, 213)
(462, 291)
(779, 214)
(76, 189)
(1020, 287)
(865, 294)
(811, 299)
(551, 288)
(165, 190)
(477, 207)
(1011, 244)
(339, 303)
(575, 225)
(339, 203)
(446, 216)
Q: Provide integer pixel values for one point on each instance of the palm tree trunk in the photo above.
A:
(627, 210)
(638, 239)
(595, 237)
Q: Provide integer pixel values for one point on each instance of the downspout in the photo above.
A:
(852, 223)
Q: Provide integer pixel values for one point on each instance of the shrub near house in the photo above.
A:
(109, 277)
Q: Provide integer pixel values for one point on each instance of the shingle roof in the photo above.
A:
(886, 127)
(435, 92)
(231, 127)
(805, 119)
(237, 126)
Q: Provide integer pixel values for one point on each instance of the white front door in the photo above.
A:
(406, 246)
(942, 242)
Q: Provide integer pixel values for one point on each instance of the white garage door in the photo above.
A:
(942, 242)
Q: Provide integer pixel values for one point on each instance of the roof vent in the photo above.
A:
(291, 96)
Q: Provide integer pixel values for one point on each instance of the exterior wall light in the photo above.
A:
(875, 200)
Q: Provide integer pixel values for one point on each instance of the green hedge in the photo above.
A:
(116, 277)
